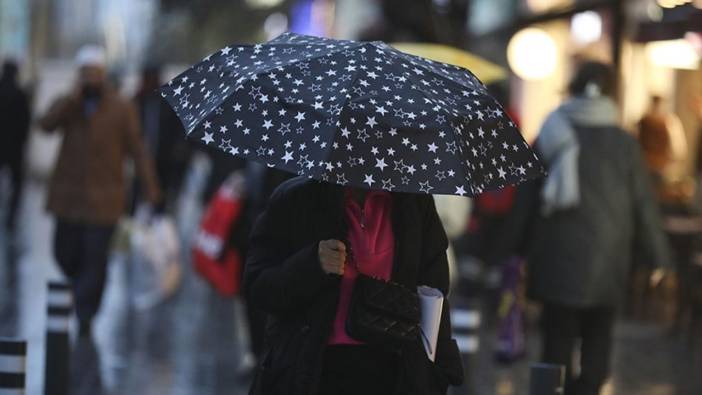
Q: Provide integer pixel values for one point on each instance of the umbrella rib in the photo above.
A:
(294, 61)
(322, 40)
(265, 70)
(347, 100)
(464, 157)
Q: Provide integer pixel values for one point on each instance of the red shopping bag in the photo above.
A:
(216, 261)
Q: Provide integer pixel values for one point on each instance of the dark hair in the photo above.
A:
(9, 70)
(596, 73)
(150, 80)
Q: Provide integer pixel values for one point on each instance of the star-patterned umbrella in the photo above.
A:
(353, 113)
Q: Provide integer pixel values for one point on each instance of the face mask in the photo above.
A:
(592, 90)
(91, 91)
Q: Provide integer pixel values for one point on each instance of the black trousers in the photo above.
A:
(358, 370)
(562, 327)
(14, 165)
(81, 250)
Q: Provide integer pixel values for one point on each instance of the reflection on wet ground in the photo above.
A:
(187, 345)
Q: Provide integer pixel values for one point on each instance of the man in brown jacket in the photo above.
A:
(87, 190)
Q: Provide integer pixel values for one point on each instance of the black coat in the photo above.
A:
(284, 278)
(582, 257)
(169, 149)
(14, 122)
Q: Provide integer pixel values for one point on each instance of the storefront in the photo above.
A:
(655, 45)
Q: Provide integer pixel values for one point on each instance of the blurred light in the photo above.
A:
(697, 3)
(654, 12)
(487, 15)
(544, 5)
(695, 39)
(586, 27)
(677, 54)
(672, 3)
(532, 54)
(263, 3)
(275, 24)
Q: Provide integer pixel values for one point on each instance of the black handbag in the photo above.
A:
(383, 312)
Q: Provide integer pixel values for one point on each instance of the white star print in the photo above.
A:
(380, 163)
(363, 135)
(388, 185)
(425, 187)
(371, 122)
(341, 179)
(406, 101)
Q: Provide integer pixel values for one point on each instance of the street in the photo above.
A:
(188, 344)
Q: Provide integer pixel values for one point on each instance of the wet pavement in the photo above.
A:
(192, 343)
(185, 345)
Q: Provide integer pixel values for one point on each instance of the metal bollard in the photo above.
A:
(57, 364)
(466, 323)
(465, 320)
(546, 379)
(13, 357)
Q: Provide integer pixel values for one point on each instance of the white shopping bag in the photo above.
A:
(155, 257)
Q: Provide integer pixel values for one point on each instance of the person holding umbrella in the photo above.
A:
(337, 255)
(307, 250)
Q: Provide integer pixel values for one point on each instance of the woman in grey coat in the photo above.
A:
(583, 226)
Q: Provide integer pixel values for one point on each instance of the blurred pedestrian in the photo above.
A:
(163, 134)
(664, 144)
(584, 224)
(87, 189)
(305, 255)
(14, 129)
(655, 139)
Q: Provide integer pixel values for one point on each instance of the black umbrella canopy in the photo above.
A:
(353, 113)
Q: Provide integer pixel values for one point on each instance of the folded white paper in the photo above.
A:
(431, 301)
